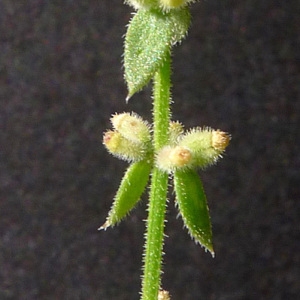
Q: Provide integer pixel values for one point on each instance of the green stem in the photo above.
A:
(159, 184)
(161, 104)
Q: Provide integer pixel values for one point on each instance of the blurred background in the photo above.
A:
(61, 78)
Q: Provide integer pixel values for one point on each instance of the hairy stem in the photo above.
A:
(158, 189)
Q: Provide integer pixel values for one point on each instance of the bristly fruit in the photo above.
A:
(143, 4)
(198, 148)
(171, 158)
(123, 148)
(205, 144)
(132, 127)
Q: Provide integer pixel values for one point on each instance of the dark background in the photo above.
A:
(60, 80)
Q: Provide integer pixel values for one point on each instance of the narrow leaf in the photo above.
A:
(149, 38)
(131, 188)
(193, 207)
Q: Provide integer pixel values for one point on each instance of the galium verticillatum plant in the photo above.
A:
(164, 150)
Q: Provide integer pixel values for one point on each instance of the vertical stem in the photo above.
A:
(158, 190)
(161, 104)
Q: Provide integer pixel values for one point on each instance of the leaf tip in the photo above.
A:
(104, 226)
(131, 91)
(210, 249)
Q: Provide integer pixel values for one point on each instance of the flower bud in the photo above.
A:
(175, 130)
(206, 145)
(171, 4)
(170, 158)
(220, 140)
(123, 148)
(144, 4)
(163, 295)
(168, 4)
(132, 127)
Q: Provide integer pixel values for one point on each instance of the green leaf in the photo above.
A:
(193, 207)
(131, 188)
(149, 38)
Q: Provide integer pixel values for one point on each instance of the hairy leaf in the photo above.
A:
(149, 38)
(193, 207)
(131, 188)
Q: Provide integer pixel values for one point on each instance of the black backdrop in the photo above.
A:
(61, 79)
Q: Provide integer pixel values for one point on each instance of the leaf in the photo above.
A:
(193, 207)
(131, 188)
(149, 38)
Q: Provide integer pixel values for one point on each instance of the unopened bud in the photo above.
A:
(168, 4)
(220, 140)
(171, 4)
(144, 4)
(172, 158)
(163, 295)
(175, 130)
(123, 148)
(132, 127)
(206, 145)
